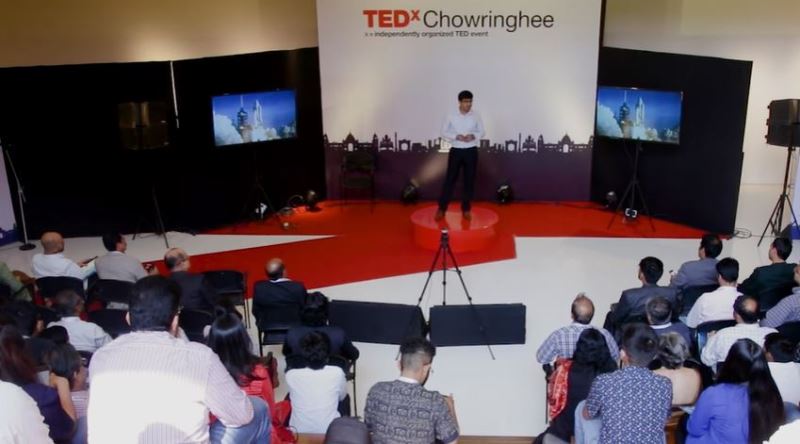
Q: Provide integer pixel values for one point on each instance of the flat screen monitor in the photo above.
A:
(639, 114)
(254, 117)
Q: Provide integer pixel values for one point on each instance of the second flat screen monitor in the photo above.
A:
(254, 117)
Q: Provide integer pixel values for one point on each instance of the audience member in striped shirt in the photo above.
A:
(561, 343)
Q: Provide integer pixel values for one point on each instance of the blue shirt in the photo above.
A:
(720, 416)
(634, 404)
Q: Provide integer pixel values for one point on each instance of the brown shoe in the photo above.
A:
(439, 215)
(467, 215)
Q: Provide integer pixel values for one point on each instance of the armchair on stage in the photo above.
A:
(357, 173)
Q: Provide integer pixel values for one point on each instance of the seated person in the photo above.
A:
(22, 422)
(745, 312)
(17, 290)
(279, 289)
(314, 316)
(117, 265)
(196, 292)
(788, 309)
(315, 390)
(52, 262)
(65, 364)
(778, 274)
(701, 271)
(84, 336)
(562, 342)
(29, 324)
(743, 407)
(632, 302)
(673, 351)
(785, 372)
(659, 315)
(716, 305)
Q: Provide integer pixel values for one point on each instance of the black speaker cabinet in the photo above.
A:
(783, 125)
(453, 325)
(377, 322)
(143, 125)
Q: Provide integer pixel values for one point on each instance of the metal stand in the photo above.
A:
(159, 221)
(776, 218)
(258, 196)
(630, 194)
(26, 244)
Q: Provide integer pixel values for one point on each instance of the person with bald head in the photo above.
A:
(53, 263)
(745, 312)
(561, 343)
(278, 289)
(196, 292)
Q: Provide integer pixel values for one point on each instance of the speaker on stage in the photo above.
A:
(460, 324)
(377, 322)
(783, 125)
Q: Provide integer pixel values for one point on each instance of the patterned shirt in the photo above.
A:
(404, 412)
(634, 404)
(561, 343)
(787, 310)
(718, 345)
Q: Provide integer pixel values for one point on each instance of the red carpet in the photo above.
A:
(376, 240)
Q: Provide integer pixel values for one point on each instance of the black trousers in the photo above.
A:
(458, 159)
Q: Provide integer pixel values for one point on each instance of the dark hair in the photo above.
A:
(779, 347)
(64, 361)
(110, 241)
(711, 245)
(24, 314)
(15, 365)
(154, 303)
(748, 315)
(66, 303)
(652, 268)
(783, 247)
(55, 333)
(315, 348)
(465, 95)
(416, 352)
(659, 310)
(315, 311)
(591, 351)
(229, 339)
(578, 315)
(728, 269)
(746, 364)
(672, 350)
(640, 343)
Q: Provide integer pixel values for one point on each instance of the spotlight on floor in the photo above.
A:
(410, 194)
(311, 200)
(505, 194)
(611, 200)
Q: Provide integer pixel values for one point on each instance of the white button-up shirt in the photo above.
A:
(51, 265)
(457, 123)
(84, 336)
(715, 305)
(718, 345)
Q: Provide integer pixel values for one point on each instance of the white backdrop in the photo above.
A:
(7, 221)
(534, 80)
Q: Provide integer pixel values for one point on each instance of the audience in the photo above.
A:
(20, 419)
(195, 290)
(785, 372)
(716, 305)
(53, 263)
(84, 336)
(17, 290)
(776, 275)
(673, 351)
(28, 322)
(591, 358)
(788, 309)
(631, 305)
(116, 264)
(659, 315)
(632, 403)
(701, 271)
(65, 364)
(562, 342)
(279, 289)
(744, 406)
(317, 389)
(745, 312)
(150, 386)
(403, 411)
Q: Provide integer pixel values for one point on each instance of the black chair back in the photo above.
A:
(707, 327)
(193, 322)
(276, 320)
(110, 290)
(229, 284)
(791, 330)
(50, 286)
(112, 321)
(690, 295)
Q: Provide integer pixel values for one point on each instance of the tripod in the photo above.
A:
(630, 191)
(776, 217)
(159, 225)
(258, 198)
(444, 251)
(26, 244)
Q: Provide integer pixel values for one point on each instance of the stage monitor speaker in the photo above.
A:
(783, 124)
(376, 322)
(143, 125)
(453, 325)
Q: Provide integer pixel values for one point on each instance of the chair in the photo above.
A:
(357, 173)
(349, 367)
(690, 295)
(194, 322)
(112, 321)
(232, 285)
(111, 291)
(791, 330)
(50, 286)
(278, 317)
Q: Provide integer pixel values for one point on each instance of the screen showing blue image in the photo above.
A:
(639, 114)
(254, 117)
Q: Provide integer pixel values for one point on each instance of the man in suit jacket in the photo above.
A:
(778, 275)
(633, 301)
(278, 289)
(702, 271)
(196, 292)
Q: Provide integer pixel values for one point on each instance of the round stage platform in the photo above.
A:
(474, 235)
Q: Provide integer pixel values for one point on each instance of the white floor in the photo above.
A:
(504, 396)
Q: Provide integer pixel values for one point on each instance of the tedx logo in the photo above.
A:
(390, 18)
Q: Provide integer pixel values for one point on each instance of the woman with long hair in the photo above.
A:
(744, 406)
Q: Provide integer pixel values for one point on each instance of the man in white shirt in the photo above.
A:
(716, 305)
(463, 129)
(53, 263)
(84, 336)
(116, 264)
(785, 372)
(745, 312)
(20, 418)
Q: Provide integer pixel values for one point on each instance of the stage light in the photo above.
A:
(505, 194)
(611, 200)
(410, 194)
(311, 201)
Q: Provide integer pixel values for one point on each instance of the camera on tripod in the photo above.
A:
(631, 213)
